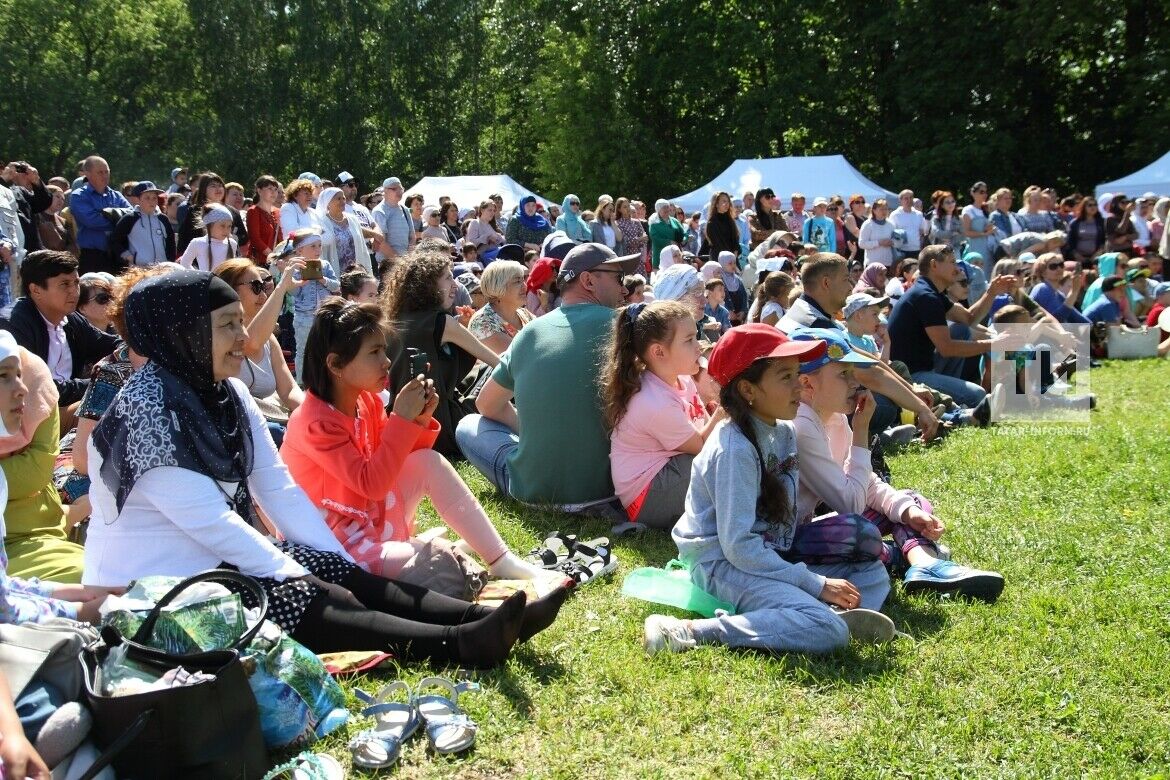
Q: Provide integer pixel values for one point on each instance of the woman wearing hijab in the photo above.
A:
(737, 297)
(177, 462)
(570, 221)
(873, 276)
(35, 534)
(528, 227)
(343, 242)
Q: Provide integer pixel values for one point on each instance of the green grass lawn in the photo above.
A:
(1067, 676)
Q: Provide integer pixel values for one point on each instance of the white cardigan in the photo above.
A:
(177, 522)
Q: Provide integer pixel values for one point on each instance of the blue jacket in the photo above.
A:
(310, 295)
(86, 204)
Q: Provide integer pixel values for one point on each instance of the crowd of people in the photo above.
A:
(272, 378)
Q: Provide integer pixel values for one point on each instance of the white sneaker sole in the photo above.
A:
(868, 626)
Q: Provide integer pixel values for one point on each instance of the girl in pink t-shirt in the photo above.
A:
(657, 420)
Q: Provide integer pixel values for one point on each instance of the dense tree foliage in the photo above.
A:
(620, 96)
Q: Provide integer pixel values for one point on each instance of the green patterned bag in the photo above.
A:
(298, 700)
(205, 617)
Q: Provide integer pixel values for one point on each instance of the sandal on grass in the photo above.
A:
(394, 722)
(448, 728)
(596, 556)
(556, 549)
(308, 766)
(397, 718)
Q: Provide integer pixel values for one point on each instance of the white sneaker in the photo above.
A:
(998, 401)
(867, 625)
(665, 633)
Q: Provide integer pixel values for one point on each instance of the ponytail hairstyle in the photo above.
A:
(773, 286)
(773, 503)
(636, 328)
(340, 327)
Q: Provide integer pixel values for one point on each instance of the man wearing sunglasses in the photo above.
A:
(349, 187)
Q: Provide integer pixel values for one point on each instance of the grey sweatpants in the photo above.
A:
(774, 615)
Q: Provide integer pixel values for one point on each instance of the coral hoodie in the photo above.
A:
(349, 468)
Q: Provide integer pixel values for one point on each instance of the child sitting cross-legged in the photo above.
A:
(836, 476)
(657, 420)
(739, 530)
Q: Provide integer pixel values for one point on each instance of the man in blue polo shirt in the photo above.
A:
(918, 325)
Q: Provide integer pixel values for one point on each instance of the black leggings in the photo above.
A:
(409, 620)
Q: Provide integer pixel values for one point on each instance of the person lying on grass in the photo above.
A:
(657, 420)
(738, 532)
(836, 476)
(368, 470)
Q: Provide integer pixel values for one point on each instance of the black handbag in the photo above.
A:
(206, 731)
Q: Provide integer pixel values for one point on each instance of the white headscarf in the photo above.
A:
(324, 199)
(676, 281)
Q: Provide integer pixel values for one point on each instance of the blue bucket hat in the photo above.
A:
(838, 349)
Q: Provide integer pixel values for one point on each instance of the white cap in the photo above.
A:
(858, 301)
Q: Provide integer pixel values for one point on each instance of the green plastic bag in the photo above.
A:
(672, 586)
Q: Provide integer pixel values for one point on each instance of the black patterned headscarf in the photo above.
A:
(173, 412)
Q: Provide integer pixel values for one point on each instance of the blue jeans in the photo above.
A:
(966, 393)
(777, 616)
(487, 444)
(302, 324)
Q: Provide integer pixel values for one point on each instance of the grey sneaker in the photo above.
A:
(898, 435)
(663, 633)
(867, 625)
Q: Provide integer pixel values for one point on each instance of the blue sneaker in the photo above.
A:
(949, 577)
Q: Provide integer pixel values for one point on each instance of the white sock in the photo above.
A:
(510, 567)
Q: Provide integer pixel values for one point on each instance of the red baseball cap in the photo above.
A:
(741, 346)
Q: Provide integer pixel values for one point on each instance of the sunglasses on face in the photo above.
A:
(259, 286)
(102, 298)
(1054, 266)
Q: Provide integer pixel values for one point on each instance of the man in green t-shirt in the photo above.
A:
(552, 447)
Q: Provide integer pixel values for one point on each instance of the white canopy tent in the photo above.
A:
(470, 191)
(1155, 178)
(812, 177)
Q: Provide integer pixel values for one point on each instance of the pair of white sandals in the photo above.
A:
(448, 728)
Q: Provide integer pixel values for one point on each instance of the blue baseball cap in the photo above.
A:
(311, 177)
(1161, 289)
(838, 349)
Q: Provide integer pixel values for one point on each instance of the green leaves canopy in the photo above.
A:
(628, 98)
